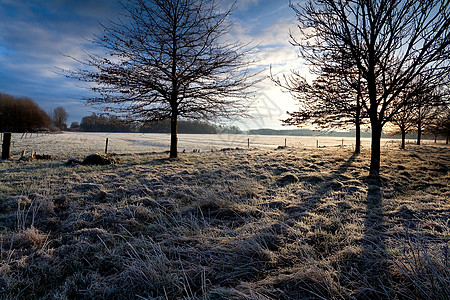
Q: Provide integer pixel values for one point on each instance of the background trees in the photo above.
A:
(440, 125)
(421, 105)
(21, 114)
(96, 123)
(169, 59)
(333, 100)
(75, 126)
(404, 120)
(184, 126)
(59, 117)
(102, 123)
(391, 44)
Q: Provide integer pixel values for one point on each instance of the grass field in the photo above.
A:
(292, 223)
(70, 144)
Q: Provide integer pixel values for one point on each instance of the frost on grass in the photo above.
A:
(253, 224)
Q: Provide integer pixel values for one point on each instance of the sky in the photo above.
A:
(36, 38)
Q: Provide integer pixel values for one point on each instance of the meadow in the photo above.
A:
(79, 144)
(260, 223)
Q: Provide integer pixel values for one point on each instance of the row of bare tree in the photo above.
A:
(384, 61)
(376, 62)
(329, 103)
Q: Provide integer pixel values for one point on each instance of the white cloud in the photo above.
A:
(245, 4)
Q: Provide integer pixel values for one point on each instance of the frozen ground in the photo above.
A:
(295, 223)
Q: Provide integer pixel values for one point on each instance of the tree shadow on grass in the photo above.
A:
(331, 183)
(368, 272)
(364, 273)
(373, 247)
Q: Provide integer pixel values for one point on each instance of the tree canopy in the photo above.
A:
(167, 59)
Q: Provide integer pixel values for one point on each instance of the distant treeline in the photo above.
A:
(308, 132)
(99, 123)
(21, 114)
(195, 127)
(304, 132)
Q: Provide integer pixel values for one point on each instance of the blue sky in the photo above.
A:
(35, 35)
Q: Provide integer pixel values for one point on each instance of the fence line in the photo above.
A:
(81, 143)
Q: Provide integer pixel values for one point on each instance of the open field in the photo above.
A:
(295, 223)
(73, 144)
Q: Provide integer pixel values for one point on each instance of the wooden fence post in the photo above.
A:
(248, 143)
(6, 146)
(106, 146)
(285, 143)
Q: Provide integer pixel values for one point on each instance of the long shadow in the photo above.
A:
(373, 265)
(369, 270)
(312, 201)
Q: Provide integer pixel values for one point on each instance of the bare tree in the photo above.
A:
(404, 120)
(332, 101)
(167, 59)
(421, 103)
(425, 115)
(440, 126)
(391, 43)
(59, 117)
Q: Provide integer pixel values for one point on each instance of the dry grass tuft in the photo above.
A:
(29, 238)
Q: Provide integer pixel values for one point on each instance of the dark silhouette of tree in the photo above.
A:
(391, 43)
(167, 59)
(421, 104)
(404, 120)
(21, 114)
(440, 125)
(333, 100)
(59, 117)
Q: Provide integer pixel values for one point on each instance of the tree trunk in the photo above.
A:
(376, 150)
(173, 135)
(358, 127)
(358, 139)
(376, 123)
(403, 137)
(419, 132)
